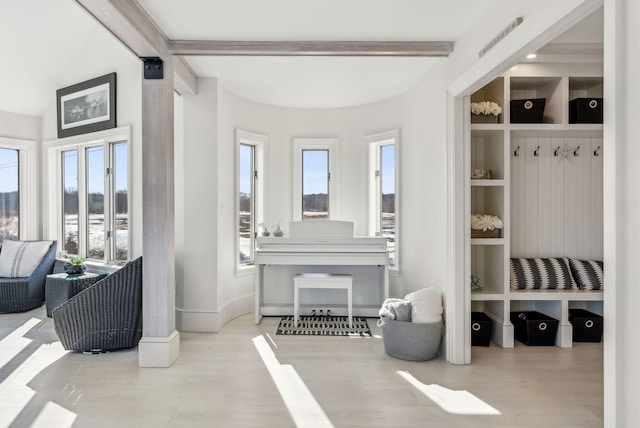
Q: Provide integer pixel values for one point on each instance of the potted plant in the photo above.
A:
(75, 267)
(265, 231)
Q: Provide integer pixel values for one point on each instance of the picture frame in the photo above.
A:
(88, 106)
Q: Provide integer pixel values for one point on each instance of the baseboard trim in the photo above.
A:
(213, 321)
(159, 351)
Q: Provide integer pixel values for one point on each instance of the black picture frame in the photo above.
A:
(87, 106)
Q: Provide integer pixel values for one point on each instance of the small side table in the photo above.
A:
(60, 287)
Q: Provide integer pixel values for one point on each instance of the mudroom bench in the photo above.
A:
(553, 286)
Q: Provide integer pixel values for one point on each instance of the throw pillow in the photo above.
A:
(18, 259)
(396, 309)
(426, 305)
(589, 274)
(541, 273)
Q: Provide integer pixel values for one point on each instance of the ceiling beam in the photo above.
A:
(130, 24)
(311, 48)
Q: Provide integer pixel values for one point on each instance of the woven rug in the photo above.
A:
(324, 326)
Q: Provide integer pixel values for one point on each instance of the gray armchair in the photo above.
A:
(105, 316)
(23, 294)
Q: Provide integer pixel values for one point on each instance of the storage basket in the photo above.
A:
(534, 328)
(481, 328)
(585, 110)
(528, 111)
(411, 341)
(475, 233)
(484, 118)
(587, 326)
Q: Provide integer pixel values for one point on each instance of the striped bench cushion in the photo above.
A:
(589, 274)
(541, 273)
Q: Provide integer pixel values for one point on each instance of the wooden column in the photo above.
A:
(160, 344)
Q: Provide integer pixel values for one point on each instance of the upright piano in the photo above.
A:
(322, 246)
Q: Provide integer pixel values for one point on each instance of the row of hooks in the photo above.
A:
(557, 152)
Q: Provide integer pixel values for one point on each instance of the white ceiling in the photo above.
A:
(314, 81)
(41, 37)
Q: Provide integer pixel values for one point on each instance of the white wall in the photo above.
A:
(197, 288)
(556, 202)
(213, 296)
(19, 126)
(103, 54)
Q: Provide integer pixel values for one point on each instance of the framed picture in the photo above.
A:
(87, 107)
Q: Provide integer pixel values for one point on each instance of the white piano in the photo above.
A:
(323, 246)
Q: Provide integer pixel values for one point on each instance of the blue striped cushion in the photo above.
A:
(541, 273)
(589, 274)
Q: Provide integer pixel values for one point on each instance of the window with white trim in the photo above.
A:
(93, 209)
(19, 217)
(249, 185)
(314, 193)
(383, 190)
(9, 194)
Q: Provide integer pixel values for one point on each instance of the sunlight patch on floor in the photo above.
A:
(15, 394)
(456, 402)
(14, 342)
(54, 415)
(302, 405)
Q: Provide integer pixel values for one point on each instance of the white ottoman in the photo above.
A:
(321, 280)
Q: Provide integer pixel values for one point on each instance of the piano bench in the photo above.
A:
(321, 280)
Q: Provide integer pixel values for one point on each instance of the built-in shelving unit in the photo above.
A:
(546, 186)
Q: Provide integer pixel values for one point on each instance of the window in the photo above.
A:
(19, 213)
(70, 202)
(315, 184)
(315, 187)
(9, 194)
(249, 182)
(383, 194)
(93, 179)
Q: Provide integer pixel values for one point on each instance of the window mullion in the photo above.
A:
(82, 202)
(109, 253)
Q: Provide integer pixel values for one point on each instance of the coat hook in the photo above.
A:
(515, 152)
(575, 152)
(555, 152)
(596, 151)
(535, 153)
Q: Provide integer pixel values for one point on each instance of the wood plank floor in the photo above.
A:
(246, 376)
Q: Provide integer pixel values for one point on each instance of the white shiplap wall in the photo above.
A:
(556, 201)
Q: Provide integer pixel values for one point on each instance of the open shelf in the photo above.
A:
(526, 192)
(487, 152)
(488, 200)
(549, 88)
(494, 92)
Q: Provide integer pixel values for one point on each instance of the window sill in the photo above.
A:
(245, 270)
